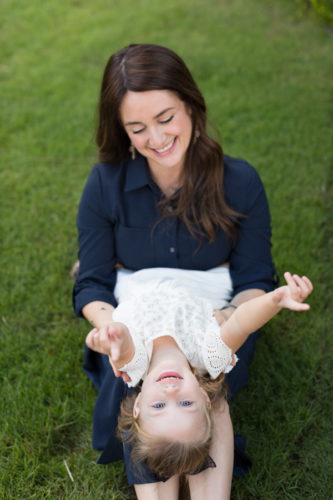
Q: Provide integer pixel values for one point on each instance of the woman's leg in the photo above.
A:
(158, 491)
(216, 482)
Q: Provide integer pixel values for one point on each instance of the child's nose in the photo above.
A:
(170, 388)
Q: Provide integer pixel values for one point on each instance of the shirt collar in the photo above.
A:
(137, 173)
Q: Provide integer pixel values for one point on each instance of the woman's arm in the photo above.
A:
(251, 264)
(98, 313)
(251, 267)
(97, 274)
(254, 313)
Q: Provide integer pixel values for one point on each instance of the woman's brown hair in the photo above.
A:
(166, 457)
(200, 204)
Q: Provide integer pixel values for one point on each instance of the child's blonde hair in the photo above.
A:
(165, 457)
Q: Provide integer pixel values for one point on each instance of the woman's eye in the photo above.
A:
(167, 120)
(137, 131)
(186, 403)
(158, 405)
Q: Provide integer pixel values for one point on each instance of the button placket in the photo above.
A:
(171, 241)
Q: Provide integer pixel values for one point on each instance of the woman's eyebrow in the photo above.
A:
(164, 111)
(157, 116)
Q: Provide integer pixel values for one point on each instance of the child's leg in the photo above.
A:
(158, 491)
(216, 482)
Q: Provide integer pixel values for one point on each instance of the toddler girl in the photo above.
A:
(169, 338)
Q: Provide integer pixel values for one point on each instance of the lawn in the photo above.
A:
(265, 69)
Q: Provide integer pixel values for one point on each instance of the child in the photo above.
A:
(161, 333)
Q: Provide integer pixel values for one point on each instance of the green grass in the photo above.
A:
(266, 73)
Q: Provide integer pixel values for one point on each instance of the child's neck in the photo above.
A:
(165, 348)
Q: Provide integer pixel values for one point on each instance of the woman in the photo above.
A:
(164, 195)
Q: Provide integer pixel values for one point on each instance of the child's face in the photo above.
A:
(172, 404)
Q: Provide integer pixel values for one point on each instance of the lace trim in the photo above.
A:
(217, 356)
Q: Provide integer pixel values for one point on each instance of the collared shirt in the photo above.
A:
(119, 223)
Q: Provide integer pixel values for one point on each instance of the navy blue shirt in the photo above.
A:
(119, 223)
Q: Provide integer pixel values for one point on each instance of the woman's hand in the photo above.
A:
(292, 295)
(115, 341)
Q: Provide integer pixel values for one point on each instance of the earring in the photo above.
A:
(132, 151)
(196, 135)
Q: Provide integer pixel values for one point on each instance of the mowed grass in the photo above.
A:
(266, 73)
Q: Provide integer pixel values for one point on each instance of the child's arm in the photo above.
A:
(115, 341)
(254, 313)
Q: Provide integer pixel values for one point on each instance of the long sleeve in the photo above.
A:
(97, 276)
(251, 264)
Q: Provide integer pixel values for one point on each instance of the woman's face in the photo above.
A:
(159, 126)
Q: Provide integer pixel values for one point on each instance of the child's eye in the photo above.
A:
(167, 120)
(158, 405)
(186, 403)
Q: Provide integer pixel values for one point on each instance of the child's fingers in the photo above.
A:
(299, 287)
(299, 306)
(104, 337)
(101, 341)
(303, 287)
(304, 284)
(90, 338)
(114, 351)
(290, 282)
(115, 330)
(119, 373)
(308, 283)
(113, 333)
(288, 277)
(115, 370)
(114, 336)
(126, 378)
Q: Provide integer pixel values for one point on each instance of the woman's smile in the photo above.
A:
(166, 149)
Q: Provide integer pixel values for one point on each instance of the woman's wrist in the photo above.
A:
(227, 310)
(224, 313)
(228, 306)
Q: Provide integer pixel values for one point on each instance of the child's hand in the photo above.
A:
(115, 341)
(292, 295)
(108, 339)
(98, 341)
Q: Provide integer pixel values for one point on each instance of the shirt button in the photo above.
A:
(172, 249)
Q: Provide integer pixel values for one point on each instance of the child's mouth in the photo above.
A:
(173, 375)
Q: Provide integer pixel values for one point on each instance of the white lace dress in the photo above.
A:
(164, 307)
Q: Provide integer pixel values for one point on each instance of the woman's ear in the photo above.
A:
(136, 407)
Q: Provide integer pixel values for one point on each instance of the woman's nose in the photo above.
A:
(156, 138)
